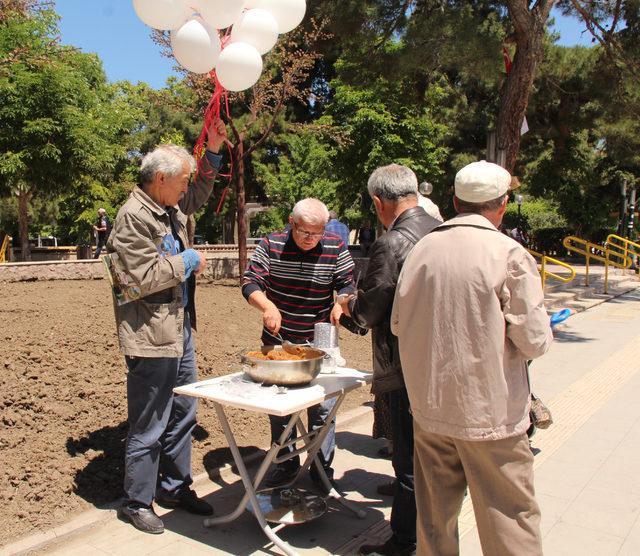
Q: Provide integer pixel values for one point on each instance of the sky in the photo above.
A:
(111, 29)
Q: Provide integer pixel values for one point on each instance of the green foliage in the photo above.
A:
(304, 167)
(375, 126)
(535, 214)
(61, 124)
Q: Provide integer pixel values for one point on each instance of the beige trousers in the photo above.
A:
(500, 478)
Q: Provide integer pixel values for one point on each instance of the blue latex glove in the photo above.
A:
(191, 261)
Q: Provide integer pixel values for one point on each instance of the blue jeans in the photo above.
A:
(158, 449)
(403, 510)
(317, 416)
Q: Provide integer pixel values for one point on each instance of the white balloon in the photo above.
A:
(288, 13)
(220, 13)
(196, 46)
(161, 14)
(239, 66)
(257, 28)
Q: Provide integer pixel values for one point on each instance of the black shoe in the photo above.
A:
(186, 499)
(390, 548)
(387, 489)
(142, 518)
(280, 476)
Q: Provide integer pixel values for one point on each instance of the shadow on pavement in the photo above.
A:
(569, 336)
(244, 535)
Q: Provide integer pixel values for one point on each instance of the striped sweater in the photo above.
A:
(299, 283)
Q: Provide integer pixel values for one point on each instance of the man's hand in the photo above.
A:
(335, 314)
(217, 136)
(203, 263)
(343, 300)
(272, 319)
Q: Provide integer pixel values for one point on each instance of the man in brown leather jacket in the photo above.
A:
(393, 189)
(152, 270)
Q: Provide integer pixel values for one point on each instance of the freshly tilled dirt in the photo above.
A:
(63, 396)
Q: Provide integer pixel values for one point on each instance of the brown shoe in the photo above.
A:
(387, 489)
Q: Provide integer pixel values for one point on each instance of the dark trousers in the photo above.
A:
(158, 450)
(403, 511)
(100, 246)
(317, 416)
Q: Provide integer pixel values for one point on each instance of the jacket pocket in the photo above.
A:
(156, 323)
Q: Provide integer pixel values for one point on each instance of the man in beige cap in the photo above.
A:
(468, 313)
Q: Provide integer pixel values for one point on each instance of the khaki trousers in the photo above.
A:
(499, 474)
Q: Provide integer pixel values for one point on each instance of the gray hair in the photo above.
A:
(479, 208)
(167, 159)
(311, 211)
(392, 182)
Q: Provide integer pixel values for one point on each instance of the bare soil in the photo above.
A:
(63, 404)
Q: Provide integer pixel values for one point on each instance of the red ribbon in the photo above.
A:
(212, 114)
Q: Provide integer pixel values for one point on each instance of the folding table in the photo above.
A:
(238, 391)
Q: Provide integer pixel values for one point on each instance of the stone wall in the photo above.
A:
(221, 266)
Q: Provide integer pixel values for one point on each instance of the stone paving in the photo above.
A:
(587, 479)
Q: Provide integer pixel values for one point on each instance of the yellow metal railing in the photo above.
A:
(622, 244)
(3, 249)
(544, 260)
(589, 250)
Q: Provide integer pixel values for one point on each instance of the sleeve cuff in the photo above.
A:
(214, 159)
(249, 288)
(347, 289)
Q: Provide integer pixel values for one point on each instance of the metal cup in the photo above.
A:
(325, 335)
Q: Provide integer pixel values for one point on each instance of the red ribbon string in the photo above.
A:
(212, 114)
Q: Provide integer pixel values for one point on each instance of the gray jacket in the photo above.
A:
(152, 326)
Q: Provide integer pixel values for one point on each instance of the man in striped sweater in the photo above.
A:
(291, 280)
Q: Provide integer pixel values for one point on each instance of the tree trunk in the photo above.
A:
(240, 208)
(529, 28)
(24, 196)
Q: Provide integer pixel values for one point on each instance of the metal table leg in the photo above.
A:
(249, 485)
(313, 456)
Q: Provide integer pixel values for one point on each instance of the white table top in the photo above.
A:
(238, 390)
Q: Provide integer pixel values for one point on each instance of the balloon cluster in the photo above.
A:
(252, 29)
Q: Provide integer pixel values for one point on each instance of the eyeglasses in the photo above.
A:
(307, 235)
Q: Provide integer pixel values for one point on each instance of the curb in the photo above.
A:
(96, 516)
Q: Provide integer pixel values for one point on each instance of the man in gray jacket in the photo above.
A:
(468, 313)
(393, 189)
(153, 270)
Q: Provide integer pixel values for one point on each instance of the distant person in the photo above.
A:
(425, 189)
(334, 226)
(520, 236)
(102, 229)
(469, 312)
(366, 236)
(153, 272)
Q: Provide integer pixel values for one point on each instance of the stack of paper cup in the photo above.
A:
(325, 337)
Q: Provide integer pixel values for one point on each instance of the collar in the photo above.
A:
(469, 219)
(139, 194)
(405, 215)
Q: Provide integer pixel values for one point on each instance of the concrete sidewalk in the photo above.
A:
(587, 463)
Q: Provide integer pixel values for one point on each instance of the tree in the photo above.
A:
(57, 120)
(257, 112)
